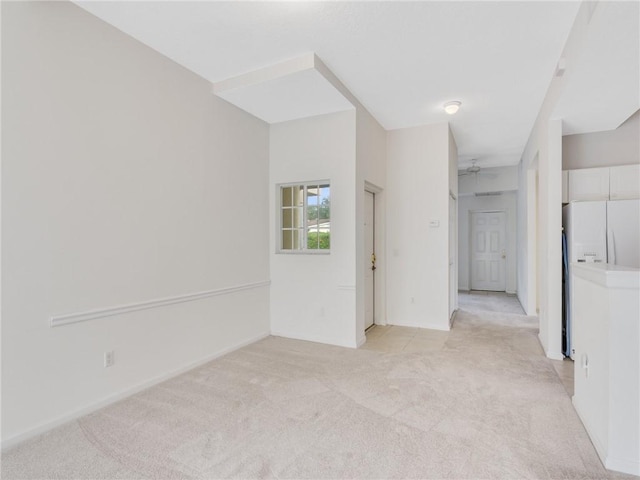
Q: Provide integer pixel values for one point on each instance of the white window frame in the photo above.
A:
(278, 203)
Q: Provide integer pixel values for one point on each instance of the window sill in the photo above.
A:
(303, 252)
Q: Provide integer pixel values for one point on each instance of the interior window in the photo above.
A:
(305, 217)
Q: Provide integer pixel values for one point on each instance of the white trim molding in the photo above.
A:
(66, 319)
(337, 342)
(550, 354)
(427, 326)
(372, 188)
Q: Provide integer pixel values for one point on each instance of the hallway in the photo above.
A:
(488, 303)
(477, 308)
(500, 302)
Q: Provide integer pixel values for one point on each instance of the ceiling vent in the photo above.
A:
(487, 194)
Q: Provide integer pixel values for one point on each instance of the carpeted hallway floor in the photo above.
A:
(480, 401)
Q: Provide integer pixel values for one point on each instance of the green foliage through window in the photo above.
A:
(320, 239)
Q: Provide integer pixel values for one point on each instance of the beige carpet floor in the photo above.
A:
(478, 402)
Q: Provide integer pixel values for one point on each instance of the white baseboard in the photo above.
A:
(362, 340)
(549, 354)
(315, 339)
(631, 467)
(624, 466)
(428, 326)
(602, 454)
(11, 442)
(555, 355)
(453, 318)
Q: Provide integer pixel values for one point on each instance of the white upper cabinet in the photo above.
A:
(589, 184)
(624, 182)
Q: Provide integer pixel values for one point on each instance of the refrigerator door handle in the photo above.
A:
(611, 247)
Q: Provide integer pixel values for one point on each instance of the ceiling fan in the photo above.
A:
(474, 170)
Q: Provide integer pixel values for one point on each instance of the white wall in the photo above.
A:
(526, 248)
(371, 156)
(454, 188)
(603, 149)
(124, 180)
(505, 201)
(543, 153)
(313, 296)
(417, 193)
(453, 224)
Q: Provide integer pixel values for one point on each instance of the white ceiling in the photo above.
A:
(603, 88)
(285, 91)
(402, 60)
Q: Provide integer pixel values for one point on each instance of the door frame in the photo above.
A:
(373, 273)
(380, 246)
(453, 282)
(506, 242)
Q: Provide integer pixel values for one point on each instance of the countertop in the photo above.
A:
(608, 275)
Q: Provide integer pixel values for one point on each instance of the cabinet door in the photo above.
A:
(624, 182)
(590, 324)
(589, 184)
(565, 186)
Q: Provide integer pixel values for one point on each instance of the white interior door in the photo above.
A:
(488, 251)
(369, 261)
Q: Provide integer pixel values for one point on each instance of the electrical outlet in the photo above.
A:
(109, 359)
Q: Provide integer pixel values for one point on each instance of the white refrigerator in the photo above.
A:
(603, 231)
(607, 232)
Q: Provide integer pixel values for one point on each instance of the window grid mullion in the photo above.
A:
(304, 217)
(317, 213)
(318, 219)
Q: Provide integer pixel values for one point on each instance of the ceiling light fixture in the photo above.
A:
(452, 107)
